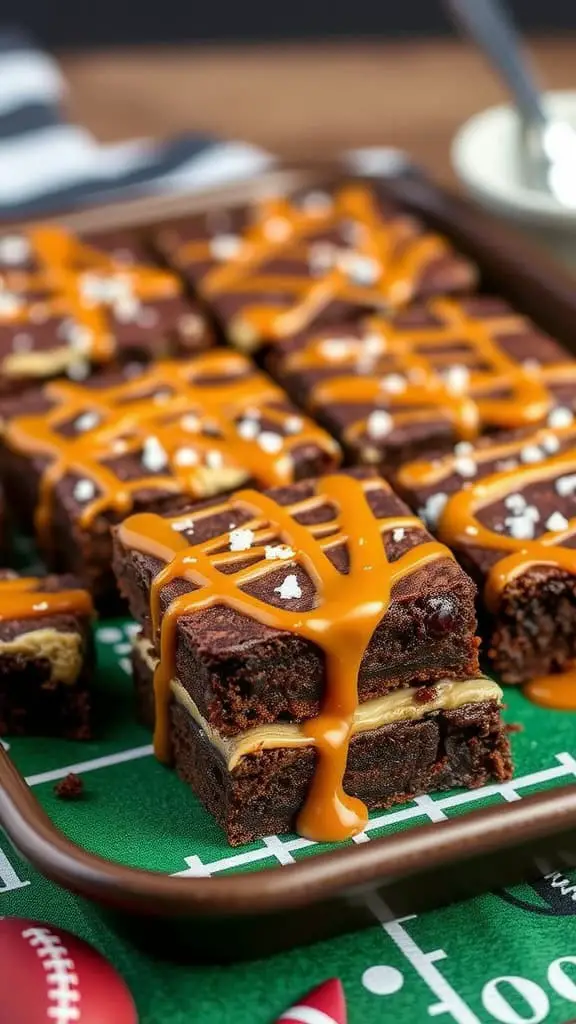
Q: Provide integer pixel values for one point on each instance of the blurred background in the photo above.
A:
(306, 76)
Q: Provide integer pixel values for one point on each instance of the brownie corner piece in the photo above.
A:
(46, 656)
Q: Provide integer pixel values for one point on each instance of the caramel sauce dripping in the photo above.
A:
(348, 608)
(23, 598)
(398, 253)
(56, 287)
(161, 403)
(460, 527)
(411, 352)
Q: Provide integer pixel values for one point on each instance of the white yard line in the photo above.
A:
(91, 766)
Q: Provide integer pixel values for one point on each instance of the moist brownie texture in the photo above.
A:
(46, 657)
(69, 304)
(77, 457)
(507, 507)
(273, 269)
(241, 672)
(323, 609)
(431, 375)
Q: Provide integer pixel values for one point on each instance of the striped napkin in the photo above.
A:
(48, 164)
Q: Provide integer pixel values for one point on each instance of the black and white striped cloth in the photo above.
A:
(48, 164)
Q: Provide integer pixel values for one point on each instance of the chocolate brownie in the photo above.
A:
(390, 388)
(69, 304)
(273, 269)
(78, 457)
(46, 657)
(294, 616)
(507, 507)
(260, 791)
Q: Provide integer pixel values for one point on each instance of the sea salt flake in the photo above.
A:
(394, 383)
(463, 448)
(293, 425)
(531, 453)
(566, 485)
(289, 588)
(335, 349)
(79, 369)
(270, 442)
(42, 606)
(87, 421)
(557, 522)
(190, 423)
(183, 524)
(240, 539)
(10, 304)
(186, 457)
(214, 459)
(515, 502)
(278, 551)
(465, 466)
(84, 490)
(506, 465)
(361, 270)
(276, 229)
(317, 203)
(225, 246)
(520, 527)
(154, 455)
(433, 508)
(248, 429)
(560, 417)
(398, 534)
(379, 424)
(456, 379)
(551, 444)
(321, 257)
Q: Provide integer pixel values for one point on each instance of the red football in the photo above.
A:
(48, 976)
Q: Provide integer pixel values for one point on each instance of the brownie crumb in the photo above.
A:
(514, 727)
(424, 694)
(69, 788)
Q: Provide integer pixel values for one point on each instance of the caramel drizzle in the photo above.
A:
(162, 403)
(64, 263)
(459, 525)
(23, 598)
(396, 247)
(357, 379)
(348, 608)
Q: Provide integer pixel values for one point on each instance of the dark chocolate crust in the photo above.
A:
(263, 794)
(240, 672)
(31, 704)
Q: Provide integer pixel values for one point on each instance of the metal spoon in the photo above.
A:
(546, 146)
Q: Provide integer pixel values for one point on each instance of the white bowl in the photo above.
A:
(484, 156)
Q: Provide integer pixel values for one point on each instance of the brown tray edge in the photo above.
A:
(514, 827)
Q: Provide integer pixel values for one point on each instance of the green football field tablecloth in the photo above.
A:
(508, 957)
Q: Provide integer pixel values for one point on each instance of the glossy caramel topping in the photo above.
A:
(347, 609)
(23, 598)
(346, 248)
(194, 427)
(70, 280)
(453, 369)
(460, 525)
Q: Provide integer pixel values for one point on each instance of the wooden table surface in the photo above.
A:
(294, 98)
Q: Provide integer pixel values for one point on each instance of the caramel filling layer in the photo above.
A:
(398, 706)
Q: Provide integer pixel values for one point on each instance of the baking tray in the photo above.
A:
(259, 912)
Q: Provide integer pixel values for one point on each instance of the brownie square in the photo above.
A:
(391, 388)
(261, 792)
(78, 457)
(241, 672)
(507, 508)
(46, 657)
(277, 267)
(69, 304)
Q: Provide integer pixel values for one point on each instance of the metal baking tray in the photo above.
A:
(259, 912)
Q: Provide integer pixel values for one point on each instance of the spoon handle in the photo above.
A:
(489, 24)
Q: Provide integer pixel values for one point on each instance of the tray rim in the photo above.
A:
(471, 838)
